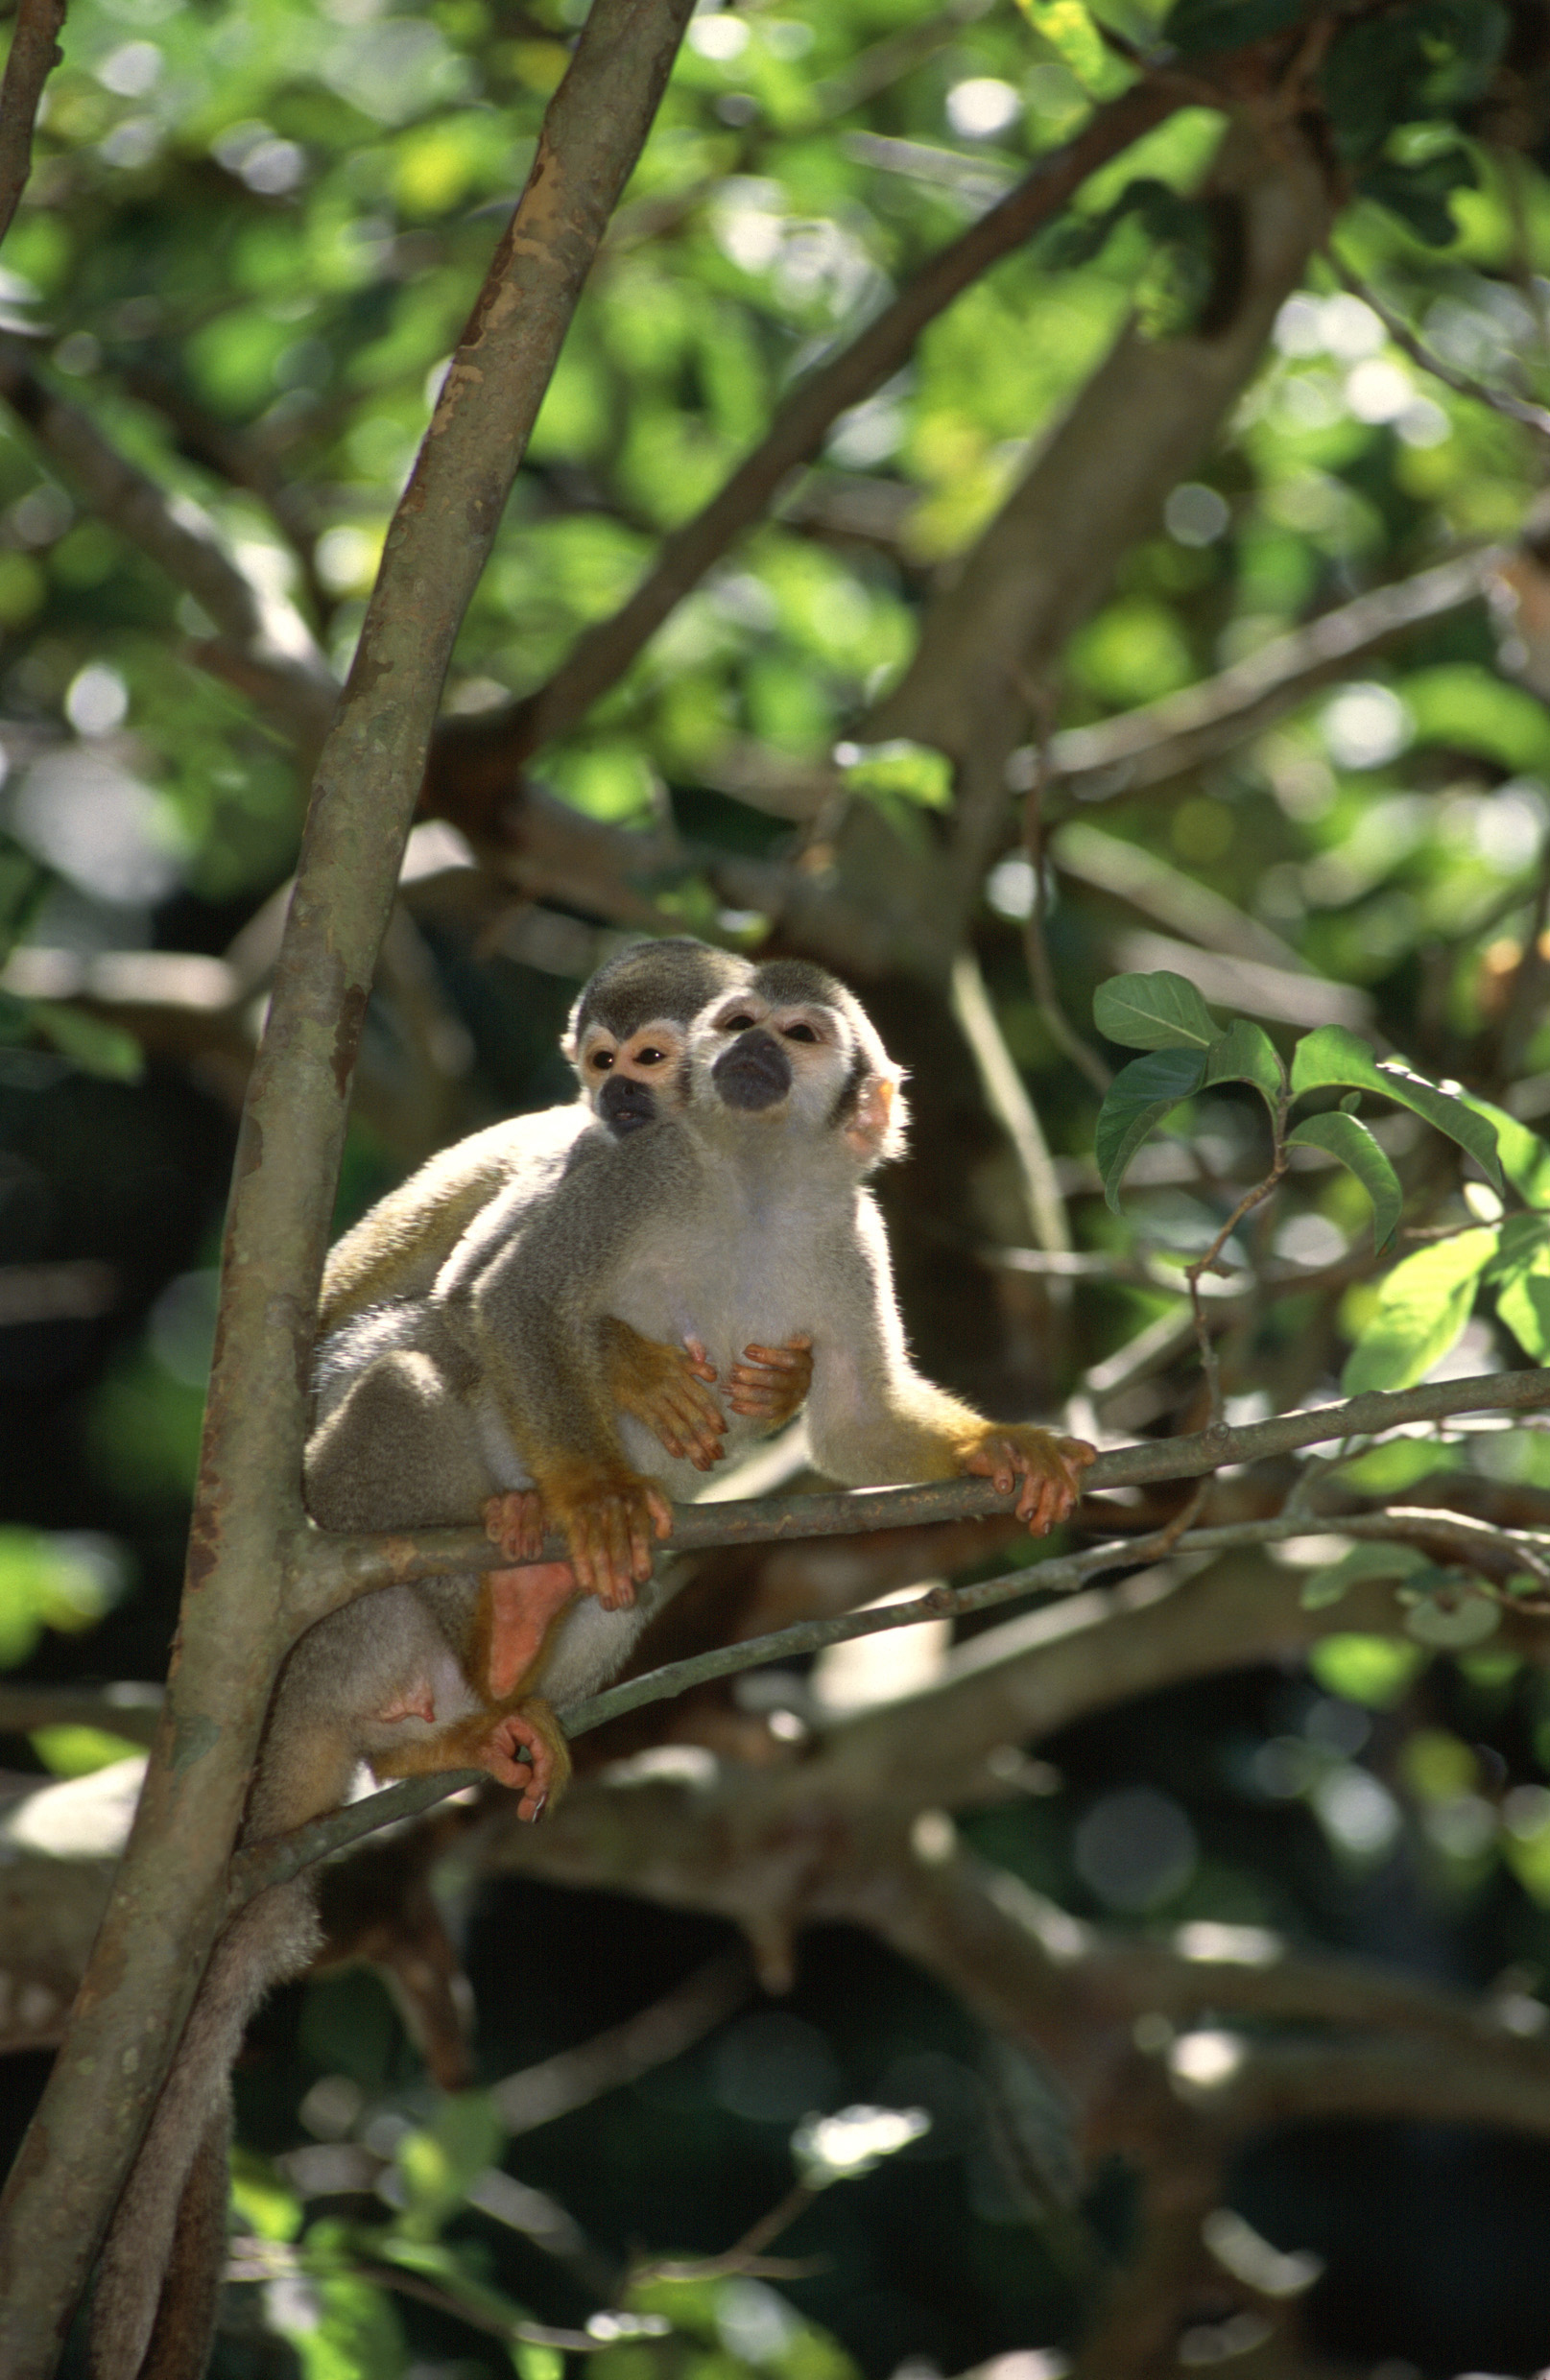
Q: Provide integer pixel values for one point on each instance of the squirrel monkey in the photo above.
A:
(739, 1217)
(625, 1039)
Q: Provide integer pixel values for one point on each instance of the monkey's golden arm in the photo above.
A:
(873, 1420)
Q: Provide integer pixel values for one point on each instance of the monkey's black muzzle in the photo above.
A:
(625, 1105)
(754, 1073)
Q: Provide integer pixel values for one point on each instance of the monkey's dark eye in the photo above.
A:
(738, 1024)
(602, 1060)
(797, 1032)
(653, 1057)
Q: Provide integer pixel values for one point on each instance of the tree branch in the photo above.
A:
(490, 750)
(167, 1903)
(34, 53)
(1182, 731)
(181, 541)
(332, 1569)
(1495, 1552)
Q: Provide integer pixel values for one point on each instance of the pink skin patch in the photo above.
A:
(532, 1781)
(407, 1707)
(523, 1605)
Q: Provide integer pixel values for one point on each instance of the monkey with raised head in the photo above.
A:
(624, 1040)
(408, 1667)
(741, 1217)
(744, 1214)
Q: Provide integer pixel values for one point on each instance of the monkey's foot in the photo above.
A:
(663, 1387)
(773, 1382)
(515, 1522)
(517, 1608)
(530, 1727)
(1044, 1470)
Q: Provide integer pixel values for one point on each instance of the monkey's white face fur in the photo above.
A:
(760, 1064)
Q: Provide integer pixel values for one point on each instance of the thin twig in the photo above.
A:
(1251, 1199)
(34, 53)
(1462, 383)
(1057, 1024)
(1007, 1096)
(747, 2252)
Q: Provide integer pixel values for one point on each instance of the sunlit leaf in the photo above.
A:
(1331, 1057)
(1246, 1054)
(1137, 1100)
(1520, 1277)
(1161, 1012)
(1421, 1307)
(1375, 1670)
(1070, 32)
(1525, 1159)
(1342, 1136)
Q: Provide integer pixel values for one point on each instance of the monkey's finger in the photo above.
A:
(661, 1510)
(792, 1358)
(699, 1363)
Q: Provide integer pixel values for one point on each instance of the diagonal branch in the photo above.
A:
(34, 53)
(177, 537)
(1182, 731)
(1494, 1551)
(492, 748)
(331, 1569)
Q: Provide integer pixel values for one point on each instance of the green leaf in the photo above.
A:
(1521, 1278)
(1196, 26)
(909, 772)
(1467, 707)
(1072, 35)
(1159, 1011)
(1525, 1159)
(1375, 1670)
(1419, 195)
(1246, 1054)
(1421, 1307)
(1363, 1560)
(94, 1047)
(1332, 1057)
(1137, 1100)
(1340, 1135)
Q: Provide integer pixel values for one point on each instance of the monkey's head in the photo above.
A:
(629, 1031)
(792, 1044)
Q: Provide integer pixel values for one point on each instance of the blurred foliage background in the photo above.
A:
(250, 238)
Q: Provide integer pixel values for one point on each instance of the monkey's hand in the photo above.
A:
(1045, 1470)
(530, 1727)
(515, 1522)
(773, 1382)
(663, 1387)
(609, 1514)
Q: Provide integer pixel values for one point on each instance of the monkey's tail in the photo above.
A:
(159, 2274)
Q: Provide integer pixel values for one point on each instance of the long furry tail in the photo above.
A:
(159, 2276)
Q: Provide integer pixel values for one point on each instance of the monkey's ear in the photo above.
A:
(876, 1127)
